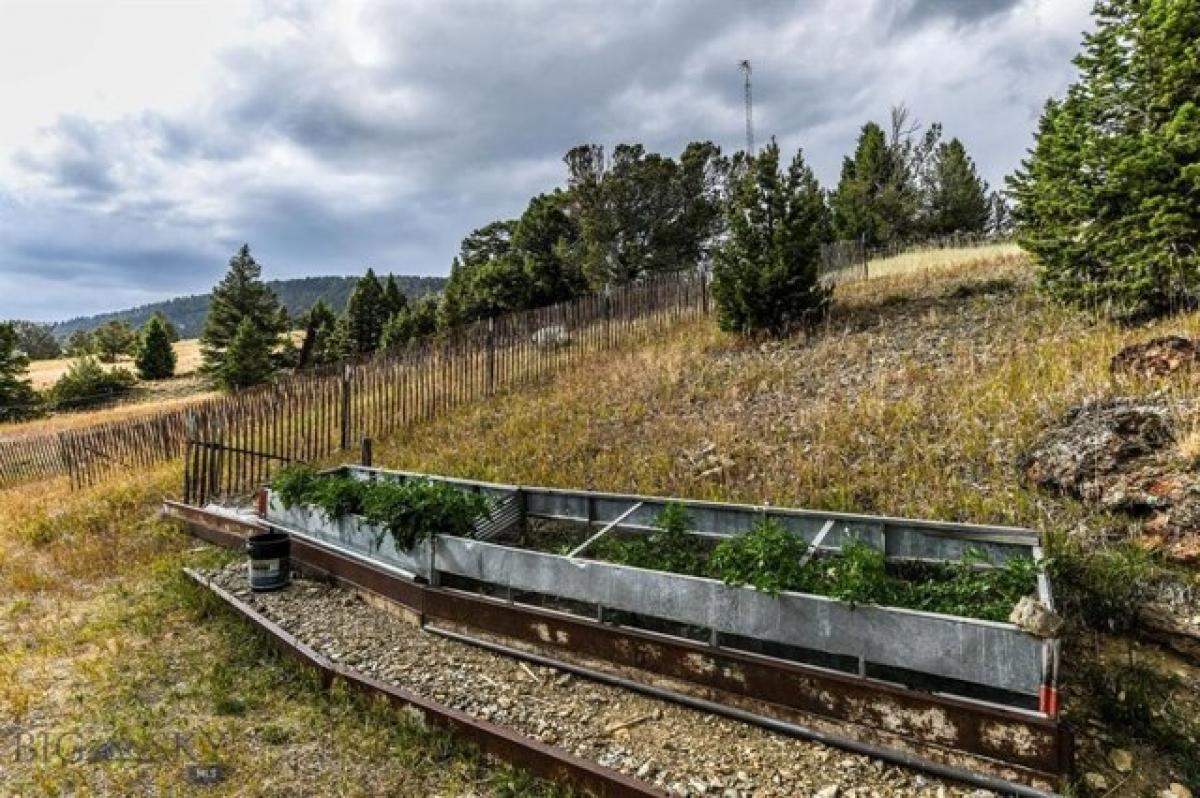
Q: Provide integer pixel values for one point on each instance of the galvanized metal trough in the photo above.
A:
(984, 661)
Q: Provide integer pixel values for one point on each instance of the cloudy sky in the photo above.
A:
(141, 143)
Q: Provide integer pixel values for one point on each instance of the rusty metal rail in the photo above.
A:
(548, 762)
(1005, 750)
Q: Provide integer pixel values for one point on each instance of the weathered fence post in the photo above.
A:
(345, 408)
(491, 356)
(365, 457)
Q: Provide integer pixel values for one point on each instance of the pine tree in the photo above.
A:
(17, 398)
(870, 203)
(366, 313)
(113, 339)
(80, 343)
(1107, 200)
(766, 275)
(394, 299)
(337, 345)
(155, 359)
(958, 197)
(241, 296)
(418, 320)
(249, 358)
(172, 330)
(318, 327)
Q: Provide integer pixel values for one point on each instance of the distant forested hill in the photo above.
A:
(187, 312)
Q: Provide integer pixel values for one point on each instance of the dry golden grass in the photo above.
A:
(44, 373)
(914, 400)
(919, 260)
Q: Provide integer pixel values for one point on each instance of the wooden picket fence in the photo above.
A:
(313, 414)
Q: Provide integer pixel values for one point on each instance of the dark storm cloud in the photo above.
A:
(329, 152)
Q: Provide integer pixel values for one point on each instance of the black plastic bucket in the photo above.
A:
(270, 560)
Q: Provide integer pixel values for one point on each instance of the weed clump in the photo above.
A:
(409, 511)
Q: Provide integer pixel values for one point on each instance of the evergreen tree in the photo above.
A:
(113, 339)
(1107, 200)
(319, 323)
(882, 188)
(17, 398)
(241, 296)
(80, 343)
(864, 204)
(418, 320)
(37, 340)
(172, 330)
(546, 240)
(249, 359)
(155, 359)
(366, 314)
(394, 299)
(766, 275)
(958, 197)
(645, 212)
(338, 345)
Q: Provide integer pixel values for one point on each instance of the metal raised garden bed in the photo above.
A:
(981, 660)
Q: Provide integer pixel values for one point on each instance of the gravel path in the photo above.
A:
(679, 749)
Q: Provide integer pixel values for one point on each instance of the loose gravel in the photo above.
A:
(681, 750)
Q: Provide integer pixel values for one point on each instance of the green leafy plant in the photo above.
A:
(409, 511)
(418, 509)
(670, 548)
(339, 496)
(767, 558)
(294, 485)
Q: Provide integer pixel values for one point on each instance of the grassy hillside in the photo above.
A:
(915, 399)
(187, 313)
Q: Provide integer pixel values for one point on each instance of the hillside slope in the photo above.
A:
(297, 295)
(919, 398)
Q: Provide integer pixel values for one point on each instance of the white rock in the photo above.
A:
(829, 791)
(1121, 759)
(1177, 790)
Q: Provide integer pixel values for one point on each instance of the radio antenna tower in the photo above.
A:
(744, 65)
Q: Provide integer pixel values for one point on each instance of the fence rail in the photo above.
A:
(313, 414)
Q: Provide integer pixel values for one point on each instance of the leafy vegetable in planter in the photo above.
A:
(670, 548)
(294, 484)
(409, 511)
(418, 509)
(771, 559)
(767, 558)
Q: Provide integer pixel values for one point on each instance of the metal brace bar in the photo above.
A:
(585, 545)
(817, 541)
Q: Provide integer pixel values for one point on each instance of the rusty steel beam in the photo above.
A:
(546, 761)
(1027, 741)
(1034, 746)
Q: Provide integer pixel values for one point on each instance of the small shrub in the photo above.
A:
(86, 383)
